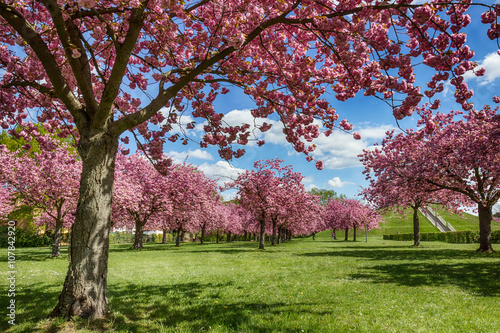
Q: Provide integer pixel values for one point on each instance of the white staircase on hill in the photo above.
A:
(436, 219)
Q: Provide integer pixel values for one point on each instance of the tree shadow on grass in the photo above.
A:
(222, 247)
(33, 303)
(142, 309)
(384, 253)
(478, 278)
(469, 270)
(36, 254)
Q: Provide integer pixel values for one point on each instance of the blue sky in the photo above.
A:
(371, 117)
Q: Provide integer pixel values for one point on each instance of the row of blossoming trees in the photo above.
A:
(271, 199)
(451, 159)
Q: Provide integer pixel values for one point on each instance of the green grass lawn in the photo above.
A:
(300, 286)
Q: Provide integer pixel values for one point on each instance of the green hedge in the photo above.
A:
(448, 237)
(128, 237)
(24, 238)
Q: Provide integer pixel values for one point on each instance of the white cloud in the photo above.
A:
(222, 171)
(180, 126)
(180, 157)
(375, 132)
(310, 187)
(239, 117)
(491, 63)
(340, 150)
(308, 180)
(336, 182)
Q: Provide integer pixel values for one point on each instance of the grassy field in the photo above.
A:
(300, 286)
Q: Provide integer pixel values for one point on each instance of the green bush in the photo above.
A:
(121, 237)
(24, 238)
(460, 237)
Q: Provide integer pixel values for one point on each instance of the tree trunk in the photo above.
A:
(228, 239)
(273, 239)
(56, 238)
(217, 237)
(139, 232)
(280, 234)
(262, 239)
(245, 236)
(354, 234)
(485, 217)
(164, 237)
(180, 235)
(346, 233)
(202, 239)
(84, 290)
(416, 227)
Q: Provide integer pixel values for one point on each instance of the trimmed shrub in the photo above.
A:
(24, 238)
(460, 237)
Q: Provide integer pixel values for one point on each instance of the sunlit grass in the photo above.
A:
(303, 285)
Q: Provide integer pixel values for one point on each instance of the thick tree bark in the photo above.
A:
(56, 238)
(346, 233)
(354, 234)
(485, 217)
(164, 237)
(416, 227)
(273, 239)
(180, 235)
(84, 290)
(139, 232)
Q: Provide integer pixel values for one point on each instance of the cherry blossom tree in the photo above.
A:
(192, 196)
(350, 214)
(277, 199)
(78, 66)
(393, 185)
(6, 200)
(48, 181)
(460, 156)
(464, 156)
(139, 195)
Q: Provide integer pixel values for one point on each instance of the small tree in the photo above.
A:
(393, 186)
(48, 181)
(139, 195)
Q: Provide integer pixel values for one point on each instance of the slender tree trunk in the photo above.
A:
(139, 232)
(84, 290)
(245, 236)
(354, 234)
(228, 239)
(273, 238)
(164, 237)
(202, 239)
(346, 233)
(217, 237)
(485, 217)
(416, 227)
(56, 238)
(262, 238)
(180, 235)
(280, 234)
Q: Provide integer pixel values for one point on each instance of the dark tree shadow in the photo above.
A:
(480, 279)
(426, 267)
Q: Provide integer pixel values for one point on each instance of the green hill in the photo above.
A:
(394, 223)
